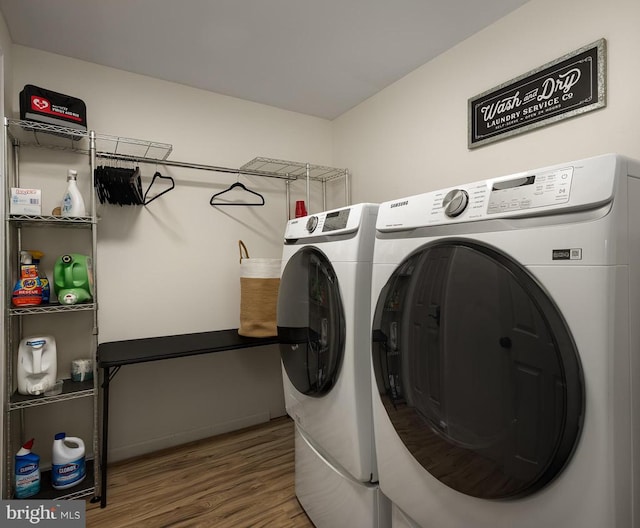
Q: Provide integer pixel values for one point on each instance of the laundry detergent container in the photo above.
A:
(37, 364)
(73, 278)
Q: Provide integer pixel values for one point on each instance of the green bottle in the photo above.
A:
(73, 278)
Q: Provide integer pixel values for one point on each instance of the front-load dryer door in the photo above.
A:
(311, 322)
(477, 370)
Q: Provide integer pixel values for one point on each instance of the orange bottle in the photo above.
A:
(28, 288)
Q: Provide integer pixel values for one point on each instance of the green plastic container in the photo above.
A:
(73, 278)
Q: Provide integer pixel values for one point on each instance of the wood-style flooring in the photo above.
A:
(239, 479)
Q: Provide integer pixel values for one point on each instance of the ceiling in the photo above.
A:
(317, 57)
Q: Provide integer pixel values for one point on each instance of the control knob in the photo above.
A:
(312, 223)
(455, 202)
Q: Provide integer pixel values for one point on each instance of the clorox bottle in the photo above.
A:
(27, 472)
(68, 465)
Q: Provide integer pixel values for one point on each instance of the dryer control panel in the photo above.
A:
(577, 185)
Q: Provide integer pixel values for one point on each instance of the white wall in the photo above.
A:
(172, 267)
(412, 137)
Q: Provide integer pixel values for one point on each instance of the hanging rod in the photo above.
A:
(198, 166)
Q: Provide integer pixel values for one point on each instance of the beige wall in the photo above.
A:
(180, 236)
(412, 137)
(172, 267)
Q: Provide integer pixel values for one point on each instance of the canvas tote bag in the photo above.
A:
(259, 283)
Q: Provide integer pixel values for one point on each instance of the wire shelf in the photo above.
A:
(71, 390)
(51, 221)
(53, 308)
(135, 148)
(32, 133)
(293, 169)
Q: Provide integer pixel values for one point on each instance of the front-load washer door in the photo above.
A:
(311, 322)
(477, 370)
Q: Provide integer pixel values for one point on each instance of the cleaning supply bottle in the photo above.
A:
(27, 472)
(36, 257)
(37, 364)
(72, 201)
(73, 278)
(28, 288)
(68, 464)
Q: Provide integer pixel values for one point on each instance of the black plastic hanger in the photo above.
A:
(235, 186)
(118, 186)
(157, 175)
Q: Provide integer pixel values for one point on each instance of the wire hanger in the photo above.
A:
(237, 185)
(155, 176)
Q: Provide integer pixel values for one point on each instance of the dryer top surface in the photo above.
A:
(345, 234)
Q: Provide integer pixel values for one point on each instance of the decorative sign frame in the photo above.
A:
(569, 86)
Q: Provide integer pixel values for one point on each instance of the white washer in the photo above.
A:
(323, 326)
(506, 350)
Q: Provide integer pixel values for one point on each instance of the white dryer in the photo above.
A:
(324, 331)
(506, 350)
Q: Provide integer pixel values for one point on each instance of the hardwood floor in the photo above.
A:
(239, 479)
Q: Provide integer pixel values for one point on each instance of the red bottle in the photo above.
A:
(301, 210)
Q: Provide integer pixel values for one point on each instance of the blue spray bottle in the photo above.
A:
(27, 472)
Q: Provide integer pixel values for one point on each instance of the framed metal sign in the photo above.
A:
(569, 86)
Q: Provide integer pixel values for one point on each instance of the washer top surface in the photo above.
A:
(333, 223)
(573, 186)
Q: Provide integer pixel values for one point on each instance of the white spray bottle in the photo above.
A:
(72, 201)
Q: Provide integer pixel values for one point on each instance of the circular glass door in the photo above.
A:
(311, 322)
(477, 370)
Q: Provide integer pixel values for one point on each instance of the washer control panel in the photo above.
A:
(336, 220)
(323, 223)
(572, 186)
(329, 223)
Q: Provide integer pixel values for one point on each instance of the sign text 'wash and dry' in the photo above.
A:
(569, 86)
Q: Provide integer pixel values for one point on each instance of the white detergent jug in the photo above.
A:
(37, 364)
(68, 466)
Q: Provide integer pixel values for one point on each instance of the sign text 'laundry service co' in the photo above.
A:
(571, 85)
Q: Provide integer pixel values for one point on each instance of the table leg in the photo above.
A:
(105, 436)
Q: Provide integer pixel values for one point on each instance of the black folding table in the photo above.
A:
(115, 354)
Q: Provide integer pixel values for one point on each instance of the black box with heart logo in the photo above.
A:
(46, 106)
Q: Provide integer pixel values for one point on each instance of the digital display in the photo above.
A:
(545, 189)
(336, 220)
(517, 182)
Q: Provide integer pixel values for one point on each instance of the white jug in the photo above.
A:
(68, 466)
(37, 364)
